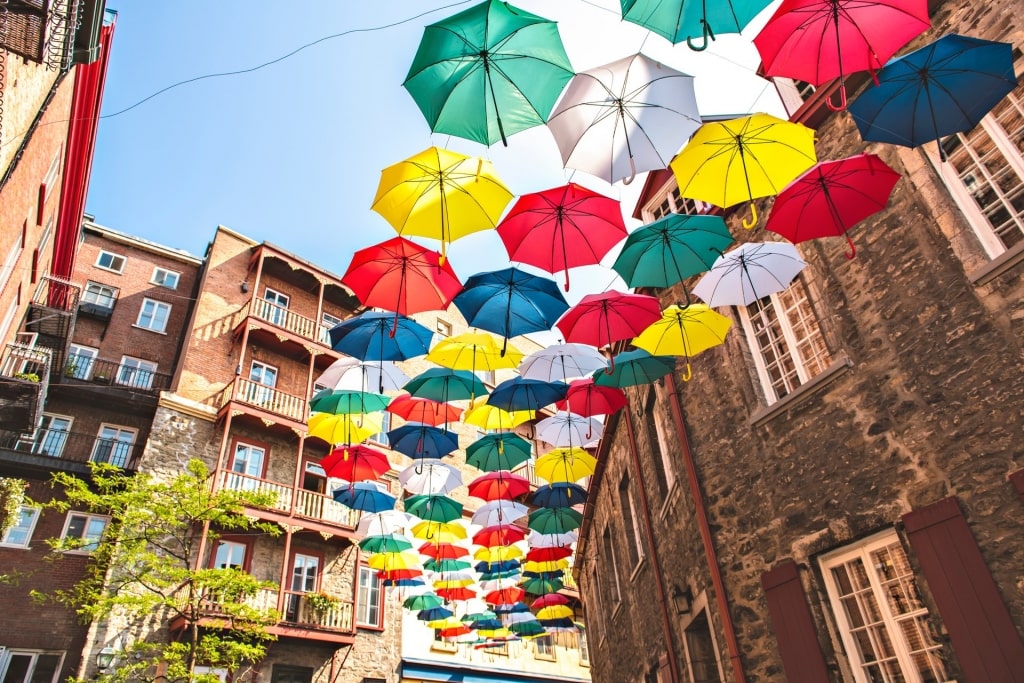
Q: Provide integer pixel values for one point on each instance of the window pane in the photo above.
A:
(46, 668)
(17, 669)
(21, 532)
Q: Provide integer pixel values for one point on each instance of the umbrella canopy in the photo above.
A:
(433, 507)
(624, 118)
(586, 398)
(605, 318)
(832, 197)
(567, 429)
(342, 429)
(510, 302)
(942, 88)
(400, 275)
(366, 496)
(671, 249)
(430, 476)
(445, 384)
(739, 160)
(423, 410)
(456, 594)
(528, 629)
(499, 534)
(561, 362)
(549, 600)
(636, 367)
(439, 532)
(386, 522)
(562, 228)
(498, 554)
(418, 440)
(684, 331)
(442, 195)
(536, 540)
(424, 601)
(385, 543)
(506, 596)
(497, 512)
(488, 72)
(357, 375)
(355, 463)
(499, 485)
(750, 272)
(554, 520)
(556, 612)
(678, 20)
(494, 452)
(490, 585)
(539, 585)
(443, 551)
(548, 554)
(374, 335)
(559, 495)
(347, 402)
(476, 352)
(564, 465)
(526, 394)
(434, 614)
(489, 418)
(387, 562)
(818, 40)
(447, 567)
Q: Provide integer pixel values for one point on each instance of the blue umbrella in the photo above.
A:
(559, 495)
(418, 440)
(406, 583)
(945, 87)
(495, 567)
(526, 394)
(434, 613)
(374, 335)
(510, 302)
(486, 624)
(510, 608)
(444, 384)
(367, 496)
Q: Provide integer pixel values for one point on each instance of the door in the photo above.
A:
(305, 576)
(266, 377)
(52, 435)
(277, 311)
(114, 445)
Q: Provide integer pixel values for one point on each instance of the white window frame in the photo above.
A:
(12, 259)
(7, 654)
(443, 328)
(46, 441)
(249, 450)
(327, 321)
(161, 275)
(87, 355)
(152, 315)
(89, 519)
(116, 443)
(232, 547)
(93, 293)
(114, 260)
(50, 179)
(34, 512)
(277, 304)
(368, 583)
(890, 622)
(547, 652)
(136, 372)
(669, 200)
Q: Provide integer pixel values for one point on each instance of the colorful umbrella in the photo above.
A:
(671, 249)
(456, 594)
(423, 410)
(562, 228)
(603, 319)
(445, 384)
(504, 597)
(342, 429)
(488, 72)
(678, 20)
(442, 195)
(495, 554)
(560, 362)
(536, 540)
(526, 394)
(490, 585)
(624, 118)
(564, 465)
(945, 87)
(447, 567)
(366, 496)
(357, 375)
(386, 562)
(439, 532)
(385, 543)
(430, 476)
(499, 485)
(495, 452)
(818, 40)
(419, 441)
(434, 614)
(586, 398)
(476, 352)
(739, 160)
(567, 429)
(375, 335)
(832, 197)
(559, 495)
(636, 367)
(434, 507)
(750, 272)
(684, 331)
(499, 534)
(421, 602)
(528, 629)
(554, 521)
(556, 612)
(443, 551)
(386, 522)
(549, 600)
(355, 463)
(489, 418)
(497, 512)
(548, 554)
(347, 402)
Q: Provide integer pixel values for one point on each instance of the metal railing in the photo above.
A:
(306, 328)
(268, 398)
(307, 504)
(80, 368)
(73, 447)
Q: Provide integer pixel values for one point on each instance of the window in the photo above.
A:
(880, 616)
(701, 656)
(230, 555)
(20, 534)
(165, 278)
(135, 372)
(262, 380)
(153, 315)
(49, 183)
(611, 569)
(545, 648)
(584, 648)
(631, 523)
(26, 28)
(327, 322)
(381, 437)
(85, 528)
(108, 261)
(786, 340)
(114, 445)
(29, 666)
(305, 579)
(81, 360)
(444, 328)
(52, 435)
(369, 611)
(658, 438)
(670, 201)
(99, 294)
(277, 310)
(248, 460)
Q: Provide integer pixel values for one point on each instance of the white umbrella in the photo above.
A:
(623, 118)
(748, 273)
(564, 540)
(356, 375)
(431, 476)
(492, 585)
(499, 512)
(562, 362)
(386, 522)
(569, 429)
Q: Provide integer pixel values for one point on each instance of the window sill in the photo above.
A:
(147, 329)
(802, 393)
(444, 647)
(637, 569)
(370, 627)
(997, 266)
(109, 270)
(545, 658)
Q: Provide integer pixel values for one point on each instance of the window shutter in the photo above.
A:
(980, 627)
(793, 625)
(1017, 479)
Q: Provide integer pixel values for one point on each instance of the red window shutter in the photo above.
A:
(793, 625)
(980, 627)
(42, 204)
(1017, 479)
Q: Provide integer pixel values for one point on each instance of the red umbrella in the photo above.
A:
(832, 197)
(499, 534)
(398, 574)
(401, 276)
(454, 631)
(450, 594)
(818, 40)
(425, 410)
(355, 463)
(505, 596)
(605, 318)
(443, 551)
(548, 554)
(499, 485)
(588, 399)
(562, 228)
(549, 600)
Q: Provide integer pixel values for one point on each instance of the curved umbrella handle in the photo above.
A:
(708, 35)
(753, 218)
(610, 370)
(842, 100)
(627, 181)
(853, 250)
(688, 375)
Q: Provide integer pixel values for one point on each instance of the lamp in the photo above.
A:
(105, 657)
(244, 286)
(682, 599)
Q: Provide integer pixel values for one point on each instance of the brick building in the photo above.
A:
(837, 493)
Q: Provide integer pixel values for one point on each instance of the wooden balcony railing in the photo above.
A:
(307, 504)
(236, 481)
(307, 328)
(297, 610)
(268, 398)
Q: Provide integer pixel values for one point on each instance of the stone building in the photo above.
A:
(836, 494)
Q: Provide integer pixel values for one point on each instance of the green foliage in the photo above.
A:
(321, 601)
(145, 572)
(12, 493)
(27, 376)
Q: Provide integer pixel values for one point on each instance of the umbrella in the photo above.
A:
(455, 631)
(474, 351)
(456, 593)
(539, 585)
(355, 463)
(818, 40)
(498, 574)
(344, 429)
(832, 197)
(560, 362)
(624, 118)
(488, 72)
(556, 612)
(439, 532)
(565, 429)
(678, 20)
(385, 543)
(671, 249)
(559, 495)
(564, 465)
(510, 302)
(506, 596)
(442, 195)
(499, 534)
(527, 629)
(386, 522)
(526, 394)
(549, 554)
(605, 318)
(400, 275)
(498, 512)
(554, 520)
(503, 451)
(423, 410)
(434, 613)
(549, 600)
(445, 384)
(366, 496)
(562, 228)
(434, 507)
(489, 418)
(586, 398)
(490, 585)
(351, 373)
(515, 607)
(684, 331)
(494, 555)
(499, 485)
(424, 601)
(447, 567)
(418, 440)
(739, 160)
(945, 87)
(374, 335)
(443, 551)
(387, 562)
(347, 402)
(431, 476)
(536, 540)
(636, 367)
(748, 273)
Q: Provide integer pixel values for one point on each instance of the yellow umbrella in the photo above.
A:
(406, 559)
(546, 566)
(441, 194)
(499, 553)
(739, 160)
(494, 633)
(441, 584)
(476, 352)
(556, 612)
(447, 622)
(439, 532)
(335, 429)
(565, 465)
(488, 417)
(684, 331)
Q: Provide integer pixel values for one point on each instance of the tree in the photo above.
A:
(145, 572)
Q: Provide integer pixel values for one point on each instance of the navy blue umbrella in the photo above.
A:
(495, 567)
(374, 335)
(519, 393)
(945, 87)
(510, 302)
(510, 608)
(368, 496)
(419, 440)
(559, 495)
(434, 613)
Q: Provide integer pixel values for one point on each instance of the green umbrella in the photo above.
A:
(387, 543)
(554, 520)
(421, 602)
(542, 585)
(635, 367)
(433, 507)
(671, 249)
(494, 452)
(444, 384)
(488, 72)
(345, 402)
(679, 20)
(446, 565)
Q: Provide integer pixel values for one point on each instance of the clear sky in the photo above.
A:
(291, 153)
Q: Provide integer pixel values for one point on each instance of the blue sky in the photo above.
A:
(291, 153)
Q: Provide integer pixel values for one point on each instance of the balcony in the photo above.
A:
(305, 328)
(298, 502)
(84, 370)
(67, 450)
(26, 373)
(266, 398)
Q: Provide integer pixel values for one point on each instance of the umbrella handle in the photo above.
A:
(688, 375)
(708, 35)
(842, 100)
(610, 370)
(853, 250)
(749, 225)
(625, 181)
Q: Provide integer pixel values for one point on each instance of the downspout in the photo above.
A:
(705, 532)
(659, 579)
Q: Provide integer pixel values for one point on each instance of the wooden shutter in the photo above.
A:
(793, 625)
(1017, 479)
(980, 627)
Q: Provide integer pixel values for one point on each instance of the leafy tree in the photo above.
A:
(145, 573)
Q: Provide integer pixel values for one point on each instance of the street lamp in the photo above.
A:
(682, 599)
(105, 657)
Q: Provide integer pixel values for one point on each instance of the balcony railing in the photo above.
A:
(307, 328)
(307, 504)
(81, 369)
(236, 481)
(73, 447)
(297, 610)
(269, 399)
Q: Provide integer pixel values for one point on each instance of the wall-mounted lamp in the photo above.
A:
(682, 599)
(105, 658)
(244, 287)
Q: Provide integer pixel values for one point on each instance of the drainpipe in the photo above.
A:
(659, 579)
(705, 531)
